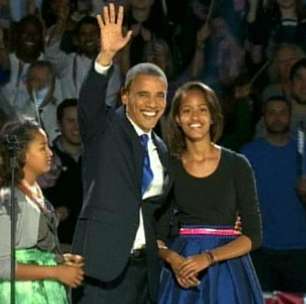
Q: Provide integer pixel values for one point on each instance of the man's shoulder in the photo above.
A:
(254, 145)
(159, 141)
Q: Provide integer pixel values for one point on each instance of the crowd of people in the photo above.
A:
(168, 123)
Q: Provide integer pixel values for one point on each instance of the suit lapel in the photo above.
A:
(136, 147)
(164, 158)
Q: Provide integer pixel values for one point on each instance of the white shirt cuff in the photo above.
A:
(101, 69)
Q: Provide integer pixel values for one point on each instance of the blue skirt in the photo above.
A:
(232, 281)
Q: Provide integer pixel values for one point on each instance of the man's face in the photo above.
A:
(89, 39)
(298, 86)
(141, 4)
(277, 117)
(145, 100)
(30, 39)
(199, 9)
(286, 58)
(69, 126)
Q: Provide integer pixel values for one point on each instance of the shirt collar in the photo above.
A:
(138, 130)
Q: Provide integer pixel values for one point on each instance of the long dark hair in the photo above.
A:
(23, 133)
(175, 135)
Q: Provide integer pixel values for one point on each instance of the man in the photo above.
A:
(281, 262)
(125, 179)
(298, 93)
(28, 49)
(295, 92)
(63, 187)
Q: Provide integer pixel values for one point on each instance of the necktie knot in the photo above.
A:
(144, 138)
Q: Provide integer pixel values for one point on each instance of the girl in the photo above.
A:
(208, 261)
(41, 271)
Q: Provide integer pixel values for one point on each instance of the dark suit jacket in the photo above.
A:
(112, 173)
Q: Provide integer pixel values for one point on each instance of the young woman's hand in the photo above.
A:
(193, 265)
(176, 261)
(69, 275)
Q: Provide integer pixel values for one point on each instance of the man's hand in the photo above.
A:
(111, 34)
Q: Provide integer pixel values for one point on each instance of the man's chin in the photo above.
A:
(278, 131)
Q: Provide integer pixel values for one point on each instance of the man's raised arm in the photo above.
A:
(92, 106)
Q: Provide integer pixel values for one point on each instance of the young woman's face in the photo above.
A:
(38, 155)
(194, 116)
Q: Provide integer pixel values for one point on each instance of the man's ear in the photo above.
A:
(124, 96)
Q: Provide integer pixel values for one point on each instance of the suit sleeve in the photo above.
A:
(92, 109)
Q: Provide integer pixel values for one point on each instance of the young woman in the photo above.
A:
(41, 271)
(208, 261)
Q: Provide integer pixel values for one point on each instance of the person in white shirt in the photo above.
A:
(125, 177)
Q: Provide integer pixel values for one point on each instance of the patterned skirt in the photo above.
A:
(232, 281)
(35, 292)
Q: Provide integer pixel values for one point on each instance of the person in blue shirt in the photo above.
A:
(281, 261)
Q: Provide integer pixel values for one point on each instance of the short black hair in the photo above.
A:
(282, 98)
(66, 103)
(85, 20)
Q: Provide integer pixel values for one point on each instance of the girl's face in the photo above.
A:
(38, 155)
(194, 116)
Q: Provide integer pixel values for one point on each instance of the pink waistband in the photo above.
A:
(209, 231)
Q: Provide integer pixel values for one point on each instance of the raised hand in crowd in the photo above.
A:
(112, 38)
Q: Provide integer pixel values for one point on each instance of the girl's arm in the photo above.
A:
(68, 275)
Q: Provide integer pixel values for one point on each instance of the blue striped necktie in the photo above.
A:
(147, 173)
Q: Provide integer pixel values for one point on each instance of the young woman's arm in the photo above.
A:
(69, 275)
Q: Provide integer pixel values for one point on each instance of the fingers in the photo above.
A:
(128, 36)
(182, 282)
(78, 279)
(120, 15)
(105, 15)
(74, 260)
(188, 269)
(188, 282)
(109, 15)
(100, 21)
(112, 14)
(193, 280)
